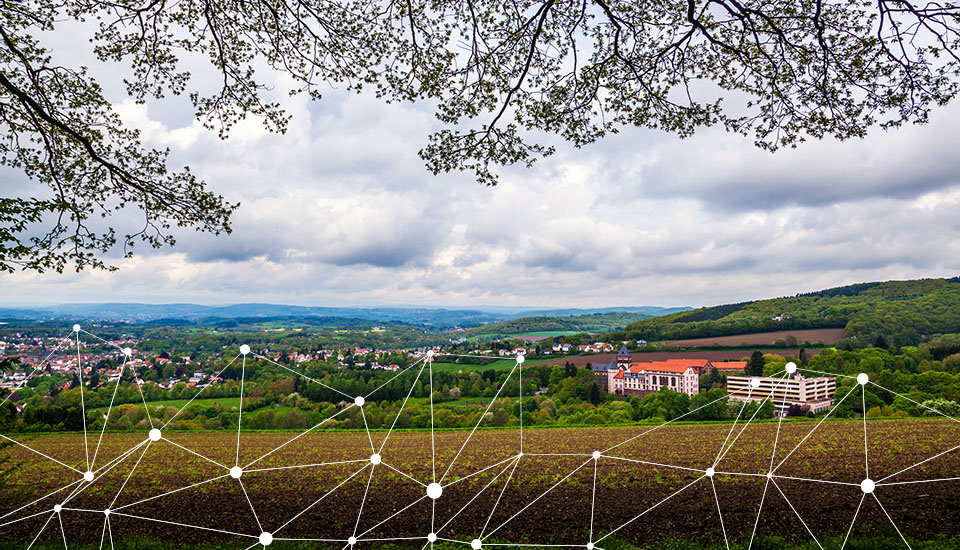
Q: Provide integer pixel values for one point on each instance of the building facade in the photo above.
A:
(621, 361)
(813, 394)
(643, 378)
(624, 376)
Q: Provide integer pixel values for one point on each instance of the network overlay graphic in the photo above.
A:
(454, 488)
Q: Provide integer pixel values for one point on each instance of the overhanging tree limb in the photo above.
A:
(501, 73)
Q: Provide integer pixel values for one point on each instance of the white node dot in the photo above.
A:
(867, 486)
(266, 538)
(154, 434)
(476, 544)
(57, 508)
(128, 352)
(596, 455)
(755, 383)
(862, 378)
(88, 476)
(589, 546)
(359, 401)
(434, 490)
(710, 471)
(244, 349)
(791, 367)
(520, 453)
(375, 459)
(352, 540)
(236, 472)
(520, 359)
(430, 353)
(76, 328)
(106, 512)
(432, 537)
(769, 475)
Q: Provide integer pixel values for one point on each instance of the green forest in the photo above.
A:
(591, 323)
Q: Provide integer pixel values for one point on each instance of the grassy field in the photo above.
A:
(531, 336)
(537, 499)
(496, 364)
(499, 364)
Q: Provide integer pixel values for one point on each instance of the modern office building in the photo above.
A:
(812, 394)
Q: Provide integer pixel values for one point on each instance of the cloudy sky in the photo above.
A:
(340, 211)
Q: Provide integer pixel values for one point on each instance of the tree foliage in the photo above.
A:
(500, 75)
(755, 364)
(61, 131)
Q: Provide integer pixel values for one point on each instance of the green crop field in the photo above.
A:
(499, 364)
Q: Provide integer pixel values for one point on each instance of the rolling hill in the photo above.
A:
(432, 317)
(904, 312)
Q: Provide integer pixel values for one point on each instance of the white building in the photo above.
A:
(814, 393)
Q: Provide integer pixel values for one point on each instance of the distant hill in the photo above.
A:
(135, 312)
(902, 311)
(544, 326)
(440, 318)
(646, 311)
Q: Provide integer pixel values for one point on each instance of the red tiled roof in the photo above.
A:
(730, 365)
(670, 365)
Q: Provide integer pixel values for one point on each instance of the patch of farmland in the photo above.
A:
(828, 336)
(712, 355)
(647, 484)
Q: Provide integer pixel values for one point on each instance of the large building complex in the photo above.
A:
(623, 376)
(810, 394)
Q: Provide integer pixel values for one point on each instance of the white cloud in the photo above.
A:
(339, 210)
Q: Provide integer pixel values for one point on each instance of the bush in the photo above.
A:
(886, 411)
(943, 406)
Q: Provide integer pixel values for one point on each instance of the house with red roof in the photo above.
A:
(730, 367)
(623, 376)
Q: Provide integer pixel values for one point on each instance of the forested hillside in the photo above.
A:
(898, 312)
(594, 323)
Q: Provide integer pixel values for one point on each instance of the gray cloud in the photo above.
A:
(341, 211)
(731, 175)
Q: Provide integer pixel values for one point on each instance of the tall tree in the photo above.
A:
(594, 395)
(499, 73)
(94, 379)
(756, 364)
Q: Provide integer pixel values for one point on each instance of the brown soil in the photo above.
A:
(627, 484)
(829, 336)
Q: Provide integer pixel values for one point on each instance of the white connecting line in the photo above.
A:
(80, 480)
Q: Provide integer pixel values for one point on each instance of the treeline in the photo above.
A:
(589, 323)
(922, 381)
(202, 341)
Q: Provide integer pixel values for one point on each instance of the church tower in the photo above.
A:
(624, 359)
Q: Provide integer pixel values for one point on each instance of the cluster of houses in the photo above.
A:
(596, 347)
(41, 361)
(199, 379)
(621, 376)
(624, 376)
